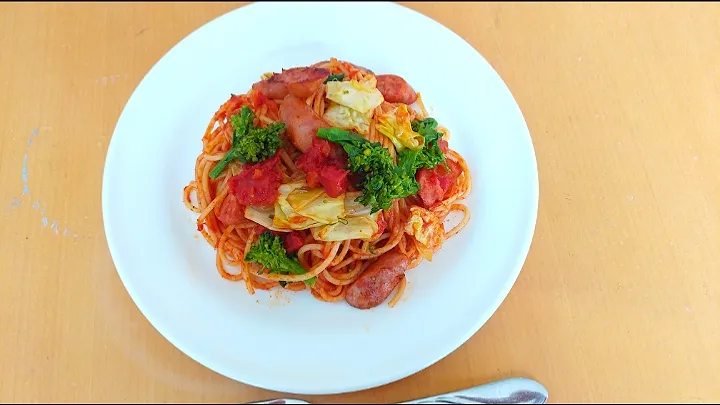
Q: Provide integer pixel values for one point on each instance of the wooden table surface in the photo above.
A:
(618, 299)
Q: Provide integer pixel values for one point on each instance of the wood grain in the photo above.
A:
(618, 300)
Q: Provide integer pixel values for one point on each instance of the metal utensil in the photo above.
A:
(508, 391)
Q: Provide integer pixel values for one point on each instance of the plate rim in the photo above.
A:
(513, 273)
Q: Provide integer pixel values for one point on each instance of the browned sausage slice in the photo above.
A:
(301, 82)
(378, 281)
(272, 89)
(395, 89)
(301, 121)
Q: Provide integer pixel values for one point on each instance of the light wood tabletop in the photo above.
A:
(618, 299)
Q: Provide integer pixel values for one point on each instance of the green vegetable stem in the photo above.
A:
(250, 144)
(382, 180)
(335, 78)
(431, 155)
(268, 251)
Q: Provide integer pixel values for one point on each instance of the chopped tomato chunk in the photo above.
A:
(231, 211)
(257, 184)
(435, 183)
(293, 242)
(324, 164)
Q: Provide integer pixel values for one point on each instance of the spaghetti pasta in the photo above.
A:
(331, 267)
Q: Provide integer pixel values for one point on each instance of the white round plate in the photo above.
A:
(292, 342)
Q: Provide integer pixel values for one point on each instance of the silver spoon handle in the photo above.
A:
(509, 391)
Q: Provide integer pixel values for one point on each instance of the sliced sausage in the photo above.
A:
(301, 82)
(301, 122)
(378, 281)
(395, 89)
(271, 89)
